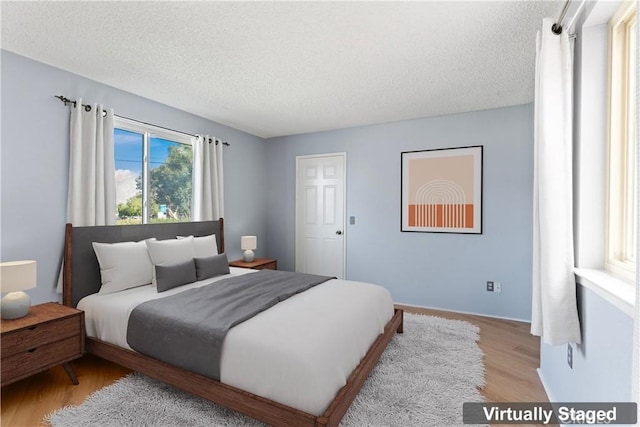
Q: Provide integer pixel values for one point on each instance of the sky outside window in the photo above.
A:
(129, 155)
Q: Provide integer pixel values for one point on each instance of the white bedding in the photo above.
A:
(299, 352)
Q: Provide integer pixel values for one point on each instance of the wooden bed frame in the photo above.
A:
(79, 252)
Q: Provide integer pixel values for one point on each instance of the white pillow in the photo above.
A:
(206, 246)
(172, 251)
(123, 265)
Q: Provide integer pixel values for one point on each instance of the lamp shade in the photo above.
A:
(248, 242)
(17, 276)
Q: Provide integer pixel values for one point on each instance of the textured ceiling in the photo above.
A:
(281, 68)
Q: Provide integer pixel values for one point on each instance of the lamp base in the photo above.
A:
(248, 255)
(15, 305)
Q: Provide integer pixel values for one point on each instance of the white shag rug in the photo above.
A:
(423, 378)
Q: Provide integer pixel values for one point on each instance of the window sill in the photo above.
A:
(619, 292)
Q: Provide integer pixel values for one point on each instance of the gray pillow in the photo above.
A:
(212, 266)
(169, 276)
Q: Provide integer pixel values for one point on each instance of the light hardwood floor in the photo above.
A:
(511, 359)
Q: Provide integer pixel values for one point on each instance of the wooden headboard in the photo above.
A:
(81, 274)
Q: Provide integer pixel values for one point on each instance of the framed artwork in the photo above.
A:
(442, 190)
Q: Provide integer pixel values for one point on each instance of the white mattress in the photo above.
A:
(299, 352)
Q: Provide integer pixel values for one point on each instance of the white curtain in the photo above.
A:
(554, 305)
(91, 198)
(207, 202)
(92, 188)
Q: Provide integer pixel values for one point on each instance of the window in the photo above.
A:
(153, 173)
(622, 215)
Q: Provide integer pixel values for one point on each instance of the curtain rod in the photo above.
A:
(556, 28)
(87, 107)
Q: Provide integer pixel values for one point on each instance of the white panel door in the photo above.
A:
(320, 200)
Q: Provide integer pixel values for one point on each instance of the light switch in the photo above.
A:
(352, 220)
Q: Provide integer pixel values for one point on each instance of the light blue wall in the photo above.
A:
(437, 270)
(446, 271)
(601, 364)
(34, 163)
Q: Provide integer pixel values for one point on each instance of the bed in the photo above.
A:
(82, 282)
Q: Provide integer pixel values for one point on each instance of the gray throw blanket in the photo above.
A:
(187, 329)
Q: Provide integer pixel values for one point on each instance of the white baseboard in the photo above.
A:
(465, 312)
(544, 385)
(549, 395)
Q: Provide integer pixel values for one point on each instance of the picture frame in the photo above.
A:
(442, 190)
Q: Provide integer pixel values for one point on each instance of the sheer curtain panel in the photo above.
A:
(554, 305)
(207, 202)
(92, 189)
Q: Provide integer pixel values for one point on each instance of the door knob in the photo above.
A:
(339, 232)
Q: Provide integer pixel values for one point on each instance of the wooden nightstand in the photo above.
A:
(257, 264)
(51, 334)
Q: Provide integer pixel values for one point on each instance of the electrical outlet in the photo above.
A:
(570, 356)
(490, 286)
(497, 287)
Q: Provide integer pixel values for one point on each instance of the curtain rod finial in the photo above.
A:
(65, 100)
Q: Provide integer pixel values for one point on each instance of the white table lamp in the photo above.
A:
(15, 277)
(248, 244)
